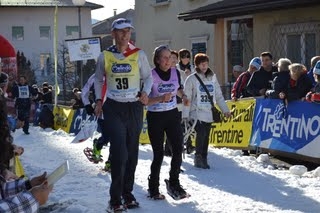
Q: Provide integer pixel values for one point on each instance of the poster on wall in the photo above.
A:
(84, 48)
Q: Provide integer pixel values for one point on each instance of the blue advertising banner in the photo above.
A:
(80, 116)
(294, 128)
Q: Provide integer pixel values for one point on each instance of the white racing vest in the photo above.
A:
(24, 91)
(203, 101)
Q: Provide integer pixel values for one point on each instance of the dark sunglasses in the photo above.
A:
(185, 56)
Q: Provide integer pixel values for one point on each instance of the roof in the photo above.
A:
(45, 3)
(231, 8)
(104, 26)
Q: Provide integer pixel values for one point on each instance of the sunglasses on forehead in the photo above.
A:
(123, 21)
(160, 48)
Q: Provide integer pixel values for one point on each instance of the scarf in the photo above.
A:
(184, 66)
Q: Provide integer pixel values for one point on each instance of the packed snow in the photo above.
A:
(235, 183)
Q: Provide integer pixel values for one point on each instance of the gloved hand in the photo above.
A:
(89, 109)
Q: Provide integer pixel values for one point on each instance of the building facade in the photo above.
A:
(245, 28)
(156, 23)
(29, 26)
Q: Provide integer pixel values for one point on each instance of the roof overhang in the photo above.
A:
(231, 8)
(45, 3)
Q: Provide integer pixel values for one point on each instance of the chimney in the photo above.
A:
(114, 12)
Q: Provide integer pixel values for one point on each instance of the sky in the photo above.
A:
(235, 183)
(109, 5)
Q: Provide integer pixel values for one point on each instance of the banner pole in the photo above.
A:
(55, 50)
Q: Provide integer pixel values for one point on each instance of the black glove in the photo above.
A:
(89, 109)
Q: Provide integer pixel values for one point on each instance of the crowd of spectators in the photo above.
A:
(281, 80)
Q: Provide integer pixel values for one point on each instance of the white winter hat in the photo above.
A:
(256, 62)
(316, 69)
(238, 68)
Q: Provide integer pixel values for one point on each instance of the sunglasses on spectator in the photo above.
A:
(185, 56)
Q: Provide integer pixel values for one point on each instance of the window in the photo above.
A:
(157, 43)
(299, 42)
(198, 45)
(17, 33)
(301, 47)
(72, 31)
(236, 52)
(160, 1)
(45, 64)
(157, 3)
(44, 32)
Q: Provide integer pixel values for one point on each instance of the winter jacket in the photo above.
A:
(239, 89)
(310, 75)
(47, 97)
(299, 90)
(15, 197)
(23, 94)
(260, 79)
(194, 93)
(279, 84)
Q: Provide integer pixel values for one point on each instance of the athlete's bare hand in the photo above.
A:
(143, 98)
(98, 108)
(166, 97)
(227, 114)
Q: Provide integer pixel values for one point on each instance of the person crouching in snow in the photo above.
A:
(200, 108)
(19, 195)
